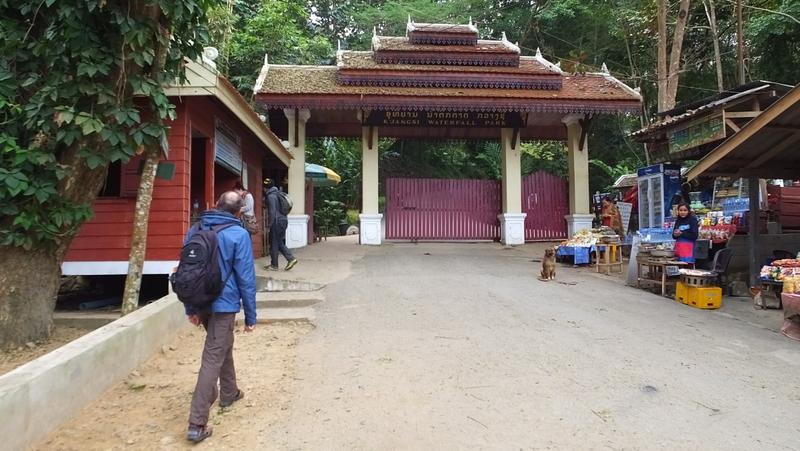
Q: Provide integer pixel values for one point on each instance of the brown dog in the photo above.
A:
(549, 265)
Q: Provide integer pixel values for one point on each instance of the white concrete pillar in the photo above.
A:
(370, 218)
(297, 231)
(580, 217)
(512, 220)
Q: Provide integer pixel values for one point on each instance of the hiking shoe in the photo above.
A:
(224, 404)
(291, 264)
(271, 268)
(197, 434)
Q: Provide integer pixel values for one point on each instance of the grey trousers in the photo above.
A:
(277, 242)
(217, 364)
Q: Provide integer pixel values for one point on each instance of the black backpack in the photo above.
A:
(198, 280)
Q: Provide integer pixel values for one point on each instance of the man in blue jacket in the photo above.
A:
(238, 272)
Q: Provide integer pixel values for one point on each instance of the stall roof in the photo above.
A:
(626, 181)
(689, 111)
(767, 147)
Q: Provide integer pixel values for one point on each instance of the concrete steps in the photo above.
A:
(282, 300)
(264, 283)
(288, 299)
(281, 315)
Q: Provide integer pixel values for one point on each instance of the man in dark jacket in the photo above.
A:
(238, 272)
(277, 229)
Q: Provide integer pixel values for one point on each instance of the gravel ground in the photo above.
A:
(61, 335)
(150, 409)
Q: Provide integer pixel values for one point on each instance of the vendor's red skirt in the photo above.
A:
(684, 251)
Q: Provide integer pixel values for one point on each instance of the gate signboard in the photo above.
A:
(465, 119)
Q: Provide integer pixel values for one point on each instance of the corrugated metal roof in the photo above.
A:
(706, 108)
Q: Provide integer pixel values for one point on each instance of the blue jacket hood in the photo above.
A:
(216, 217)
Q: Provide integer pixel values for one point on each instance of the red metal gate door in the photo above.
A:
(545, 199)
(442, 209)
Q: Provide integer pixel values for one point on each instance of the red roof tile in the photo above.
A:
(403, 44)
(317, 87)
(442, 28)
(358, 60)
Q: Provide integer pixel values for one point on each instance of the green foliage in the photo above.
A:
(352, 217)
(279, 29)
(329, 214)
(343, 156)
(779, 37)
(68, 73)
(580, 34)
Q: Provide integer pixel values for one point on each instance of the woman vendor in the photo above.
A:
(685, 233)
(611, 216)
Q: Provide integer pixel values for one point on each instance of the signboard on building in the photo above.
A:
(697, 133)
(625, 209)
(465, 119)
(227, 147)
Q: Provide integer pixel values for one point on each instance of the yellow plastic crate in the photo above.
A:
(699, 297)
(682, 293)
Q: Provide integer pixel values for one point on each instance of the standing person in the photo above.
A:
(685, 233)
(277, 229)
(238, 273)
(611, 216)
(249, 220)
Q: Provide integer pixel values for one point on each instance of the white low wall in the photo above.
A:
(39, 396)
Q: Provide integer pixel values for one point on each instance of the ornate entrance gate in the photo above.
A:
(545, 199)
(448, 209)
(442, 209)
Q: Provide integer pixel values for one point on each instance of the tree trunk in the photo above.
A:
(661, 65)
(675, 54)
(712, 22)
(740, 75)
(29, 282)
(30, 279)
(133, 282)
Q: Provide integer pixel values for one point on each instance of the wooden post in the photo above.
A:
(752, 233)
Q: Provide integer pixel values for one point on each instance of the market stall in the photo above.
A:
(764, 148)
(584, 244)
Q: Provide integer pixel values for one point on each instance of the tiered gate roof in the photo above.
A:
(443, 67)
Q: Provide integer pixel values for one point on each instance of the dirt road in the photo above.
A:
(443, 346)
(440, 346)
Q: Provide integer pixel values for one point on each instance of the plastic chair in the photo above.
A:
(721, 261)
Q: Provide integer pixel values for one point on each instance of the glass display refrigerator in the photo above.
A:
(658, 186)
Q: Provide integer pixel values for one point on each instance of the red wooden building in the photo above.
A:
(216, 139)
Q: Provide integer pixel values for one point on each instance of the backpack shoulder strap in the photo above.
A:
(221, 227)
(193, 229)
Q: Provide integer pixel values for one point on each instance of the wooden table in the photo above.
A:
(656, 266)
(609, 256)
